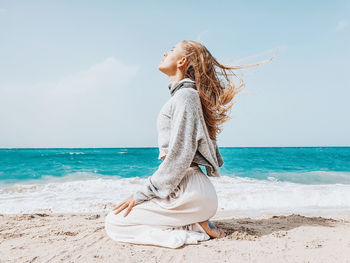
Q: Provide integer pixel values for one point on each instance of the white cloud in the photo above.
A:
(82, 110)
(342, 24)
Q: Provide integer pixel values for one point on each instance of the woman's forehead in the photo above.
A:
(178, 46)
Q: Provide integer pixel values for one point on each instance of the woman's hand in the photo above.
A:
(129, 203)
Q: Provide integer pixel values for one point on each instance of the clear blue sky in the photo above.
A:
(84, 73)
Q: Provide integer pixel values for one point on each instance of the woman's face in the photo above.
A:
(172, 60)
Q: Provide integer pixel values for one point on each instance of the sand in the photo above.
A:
(49, 237)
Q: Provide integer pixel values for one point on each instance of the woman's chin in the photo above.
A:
(161, 69)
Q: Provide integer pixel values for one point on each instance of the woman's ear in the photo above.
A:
(182, 62)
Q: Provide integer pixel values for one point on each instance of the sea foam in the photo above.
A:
(82, 193)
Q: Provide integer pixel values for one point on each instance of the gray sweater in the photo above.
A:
(183, 137)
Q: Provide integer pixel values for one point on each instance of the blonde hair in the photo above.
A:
(215, 87)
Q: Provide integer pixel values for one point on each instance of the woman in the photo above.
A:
(174, 206)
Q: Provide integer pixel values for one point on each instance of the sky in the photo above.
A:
(85, 73)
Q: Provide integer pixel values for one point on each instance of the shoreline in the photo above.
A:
(80, 237)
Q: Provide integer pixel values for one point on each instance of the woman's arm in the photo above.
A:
(184, 136)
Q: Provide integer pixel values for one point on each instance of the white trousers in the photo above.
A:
(170, 222)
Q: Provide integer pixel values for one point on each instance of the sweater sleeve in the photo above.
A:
(183, 145)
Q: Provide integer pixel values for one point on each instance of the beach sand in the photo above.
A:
(49, 237)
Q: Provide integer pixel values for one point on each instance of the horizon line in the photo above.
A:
(4, 148)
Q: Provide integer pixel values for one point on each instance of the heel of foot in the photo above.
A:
(212, 230)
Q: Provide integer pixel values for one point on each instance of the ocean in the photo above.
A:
(253, 181)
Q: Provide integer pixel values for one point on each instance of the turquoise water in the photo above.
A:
(313, 180)
(304, 165)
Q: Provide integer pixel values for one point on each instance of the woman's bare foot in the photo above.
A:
(212, 230)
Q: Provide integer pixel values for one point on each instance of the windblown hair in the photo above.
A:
(214, 84)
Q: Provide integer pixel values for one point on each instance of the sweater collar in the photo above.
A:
(176, 85)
